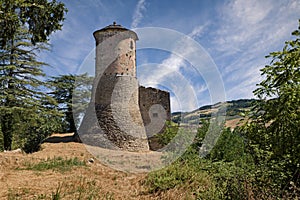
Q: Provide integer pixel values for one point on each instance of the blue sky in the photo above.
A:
(235, 34)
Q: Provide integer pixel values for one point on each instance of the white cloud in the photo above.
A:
(173, 63)
(248, 31)
(138, 13)
(169, 74)
(238, 36)
(198, 31)
(249, 12)
(254, 22)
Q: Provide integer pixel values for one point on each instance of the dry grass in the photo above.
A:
(93, 181)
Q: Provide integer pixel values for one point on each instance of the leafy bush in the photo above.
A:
(233, 180)
(224, 173)
(186, 175)
(229, 147)
(273, 132)
(169, 133)
(37, 130)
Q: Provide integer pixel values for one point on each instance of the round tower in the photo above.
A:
(115, 51)
(115, 89)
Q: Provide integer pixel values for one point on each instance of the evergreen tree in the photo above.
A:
(72, 92)
(25, 28)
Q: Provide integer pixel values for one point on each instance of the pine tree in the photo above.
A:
(72, 94)
(25, 28)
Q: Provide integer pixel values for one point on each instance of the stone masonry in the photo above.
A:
(118, 114)
(155, 109)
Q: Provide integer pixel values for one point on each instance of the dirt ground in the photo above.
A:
(99, 179)
(95, 177)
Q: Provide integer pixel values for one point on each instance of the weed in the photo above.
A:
(56, 164)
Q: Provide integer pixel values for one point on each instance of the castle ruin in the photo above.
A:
(121, 114)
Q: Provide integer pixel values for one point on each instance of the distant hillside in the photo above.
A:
(233, 111)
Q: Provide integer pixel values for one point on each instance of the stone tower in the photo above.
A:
(117, 122)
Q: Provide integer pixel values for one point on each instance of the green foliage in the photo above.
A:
(38, 18)
(233, 179)
(72, 92)
(229, 147)
(223, 174)
(260, 160)
(228, 162)
(37, 130)
(273, 132)
(201, 133)
(169, 133)
(56, 164)
(184, 173)
(25, 28)
(234, 109)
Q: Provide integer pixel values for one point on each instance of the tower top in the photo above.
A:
(115, 28)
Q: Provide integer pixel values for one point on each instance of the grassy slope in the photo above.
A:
(233, 112)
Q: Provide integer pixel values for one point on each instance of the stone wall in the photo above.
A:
(121, 115)
(115, 52)
(118, 115)
(113, 119)
(155, 109)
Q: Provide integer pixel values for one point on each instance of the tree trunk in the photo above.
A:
(7, 132)
(7, 124)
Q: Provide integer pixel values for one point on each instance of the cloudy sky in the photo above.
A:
(233, 38)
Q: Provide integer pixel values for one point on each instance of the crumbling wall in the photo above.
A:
(155, 109)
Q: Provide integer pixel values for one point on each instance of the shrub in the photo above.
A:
(185, 175)
(169, 133)
(224, 173)
(37, 130)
